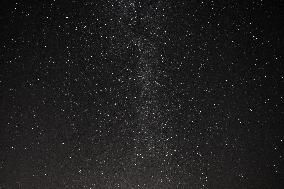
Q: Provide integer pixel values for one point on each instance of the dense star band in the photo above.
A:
(149, 165)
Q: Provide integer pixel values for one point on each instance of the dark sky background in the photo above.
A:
(141, 94)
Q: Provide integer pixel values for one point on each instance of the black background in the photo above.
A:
(71, 96)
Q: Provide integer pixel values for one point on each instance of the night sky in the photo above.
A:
(141, 94)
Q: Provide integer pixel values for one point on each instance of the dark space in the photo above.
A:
(141, 94)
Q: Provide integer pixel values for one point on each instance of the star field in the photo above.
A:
(141, 94)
